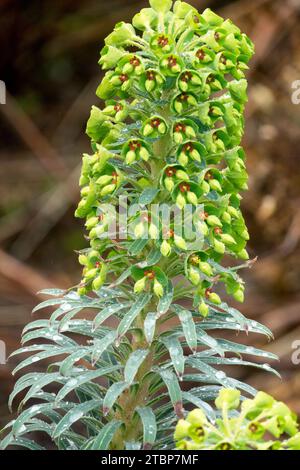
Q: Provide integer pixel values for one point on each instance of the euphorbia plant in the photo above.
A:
(168, 134)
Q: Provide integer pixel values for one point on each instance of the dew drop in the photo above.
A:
(35, 359)
(72, 382)
(220, 374)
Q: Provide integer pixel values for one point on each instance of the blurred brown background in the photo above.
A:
(49, 54)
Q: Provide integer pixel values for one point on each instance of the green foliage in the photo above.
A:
(169, 132)
(258, 424)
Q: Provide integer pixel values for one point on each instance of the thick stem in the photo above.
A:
(129, 401)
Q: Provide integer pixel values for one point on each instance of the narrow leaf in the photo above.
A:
(102, 344)
(176, 354)
(208, 410)
(137, 307)
(149, 425)
(112, 395)
(149, 326)
(104, 438)
(174, 390)
(108, 312)
(148, 196)
(133, 364)
(188, 327)
(75, 414)
(166, 300)
(74, 383)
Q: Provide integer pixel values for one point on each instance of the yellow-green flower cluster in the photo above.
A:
(173, 121)
(261, 423)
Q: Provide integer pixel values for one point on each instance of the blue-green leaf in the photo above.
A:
(137, 307)
(148, 195)
(133, 364)
(75, 382)
(188, 327)
(108, 312)
(101, 345)
(104, 438)
(137, 246)
(209, 411)
(149, 425)
(67, 364)
(166, 300)
(213, 374)
(149, 326)
(112, 395)
(53, 292)
(75, 414)
(174, 390)
(176, 354)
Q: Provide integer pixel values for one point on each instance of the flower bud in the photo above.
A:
(195, 155)
(153, 232)
(180, 201)
(244, 234)
(91, 222)
(182, 175)
(239, 295)
(104, 180)
(194, 276)
(108, 189)
(226, 217)
(169, 184)
(197, 418)
(139, 230)
(150, 85)
(82, 291)
(144, 154)
(214, 298)
(243, 254)
(228, 398)
(227, 239)
(127, 68)
(98, 283)
(158, 288)
(148, 129)
(219, 247)
(130, 157)
(214, 221)
(192, 198)
(183, 159)
(190, 132)
(203, 309)
(202, 228)
(165, 248)
(162, 128)
(205, 187)
(178, 137)
(140, 285)
(91, 273)
(178, 107)
(215, 185)
(233, 212)
(182, 429)
(83, 260)
(180, 243)
(205, 268)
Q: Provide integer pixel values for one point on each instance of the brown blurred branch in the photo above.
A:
(33, 138)
(50, 212)
(21, 274)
